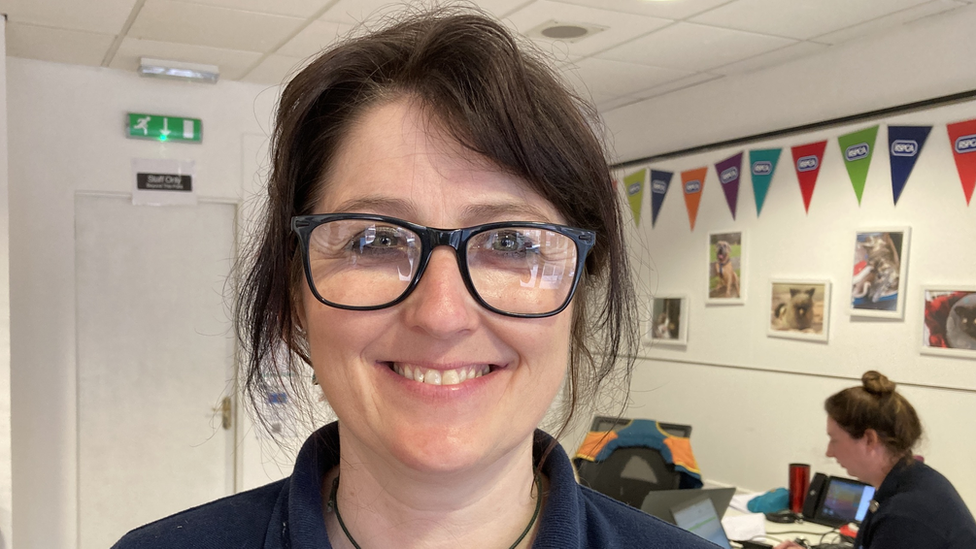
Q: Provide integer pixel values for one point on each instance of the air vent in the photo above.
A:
(564, 31)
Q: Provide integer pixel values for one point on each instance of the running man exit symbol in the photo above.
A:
(164, 128)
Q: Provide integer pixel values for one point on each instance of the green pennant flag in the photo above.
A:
(857, 149)
(634, 185)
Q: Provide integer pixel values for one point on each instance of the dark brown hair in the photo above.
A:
(475, 82)
(876, 405)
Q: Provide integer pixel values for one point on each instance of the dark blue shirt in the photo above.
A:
(288, 514)
(917, 508)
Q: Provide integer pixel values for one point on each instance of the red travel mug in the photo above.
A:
(799, 484)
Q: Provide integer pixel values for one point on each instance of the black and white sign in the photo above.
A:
(160, 182)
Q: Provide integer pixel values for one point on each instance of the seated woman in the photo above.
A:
(443, 247)
(872, 431)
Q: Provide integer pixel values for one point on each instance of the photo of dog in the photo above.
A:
(877, 283)
(725, 267)
(799, 309)
(669, 325)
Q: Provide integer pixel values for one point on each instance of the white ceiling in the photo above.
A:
(648, 48)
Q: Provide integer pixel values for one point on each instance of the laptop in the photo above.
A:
(699, 517)
(660, 502)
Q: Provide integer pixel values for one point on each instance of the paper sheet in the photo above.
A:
(745, 527)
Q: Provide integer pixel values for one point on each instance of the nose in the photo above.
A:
(441, 305)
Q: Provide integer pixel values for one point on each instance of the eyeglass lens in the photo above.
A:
(365, 263)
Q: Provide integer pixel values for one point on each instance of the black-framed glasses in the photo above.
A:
(515, 268)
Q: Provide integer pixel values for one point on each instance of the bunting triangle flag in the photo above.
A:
(728, 175)
(806, 160)
(762, 165)
(660, 181)
(962, 136)
(904, 145)
(634, 184)
(857, 148)
(693, 181)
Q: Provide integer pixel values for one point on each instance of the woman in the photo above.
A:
(872, 430)
(442, 242)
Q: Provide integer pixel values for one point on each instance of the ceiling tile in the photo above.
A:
(276, 69)
(314, 38)
(296, 8)
(101, 16)
(667, 10)
(174, 21)
(801, 19)
(889, 21)
(680, 84)
(354, 12)
(57, 45)
(773, 58)
(621, 27)
(616, 78)
(232, 63)
(694, 48)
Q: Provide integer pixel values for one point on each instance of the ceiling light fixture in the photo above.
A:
(178, 70)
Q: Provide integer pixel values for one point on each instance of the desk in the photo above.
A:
(778, 532)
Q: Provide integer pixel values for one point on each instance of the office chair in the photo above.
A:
(629, 474)
(607, 423)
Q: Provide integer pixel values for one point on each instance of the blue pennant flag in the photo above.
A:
(660, 181)
(904, 145)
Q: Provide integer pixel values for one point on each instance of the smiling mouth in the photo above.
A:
(431, 376)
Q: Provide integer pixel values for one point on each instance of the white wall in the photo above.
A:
(6, 527)
(66, 126)
(756, 403)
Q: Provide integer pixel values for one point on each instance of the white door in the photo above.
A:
(155, 359)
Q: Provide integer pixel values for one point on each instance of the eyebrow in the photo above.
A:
(472, 214)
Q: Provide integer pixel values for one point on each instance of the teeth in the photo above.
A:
(450, 377)
(440, 377)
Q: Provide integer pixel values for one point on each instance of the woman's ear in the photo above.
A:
(871, 438)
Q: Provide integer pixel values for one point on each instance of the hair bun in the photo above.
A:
(877, 384)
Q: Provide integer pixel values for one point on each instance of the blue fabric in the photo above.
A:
(772, 501)
(646, 433)
(917, 507)
(288, 514)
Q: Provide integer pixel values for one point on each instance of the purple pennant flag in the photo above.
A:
(660, 181)
(728, 175)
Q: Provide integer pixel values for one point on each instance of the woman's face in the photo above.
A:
(851, 453)
(395, 162)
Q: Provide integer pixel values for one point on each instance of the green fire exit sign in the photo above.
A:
(164, 128)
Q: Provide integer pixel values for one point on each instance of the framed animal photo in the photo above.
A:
(880, 266)
(799, 309)
(669, 321)
(949, 326)
(726, 267)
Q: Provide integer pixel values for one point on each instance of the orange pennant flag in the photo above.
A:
(692, 182)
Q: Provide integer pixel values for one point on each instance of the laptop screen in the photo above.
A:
(699, 517)
(845, 500)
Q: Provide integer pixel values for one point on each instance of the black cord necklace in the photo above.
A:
(334, 506)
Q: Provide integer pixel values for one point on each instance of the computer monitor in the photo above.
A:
(659, 503)
(699, 517)
(844, 500)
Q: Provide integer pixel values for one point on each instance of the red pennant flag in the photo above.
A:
(962, 136)
(806, 160)
(692, 183)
